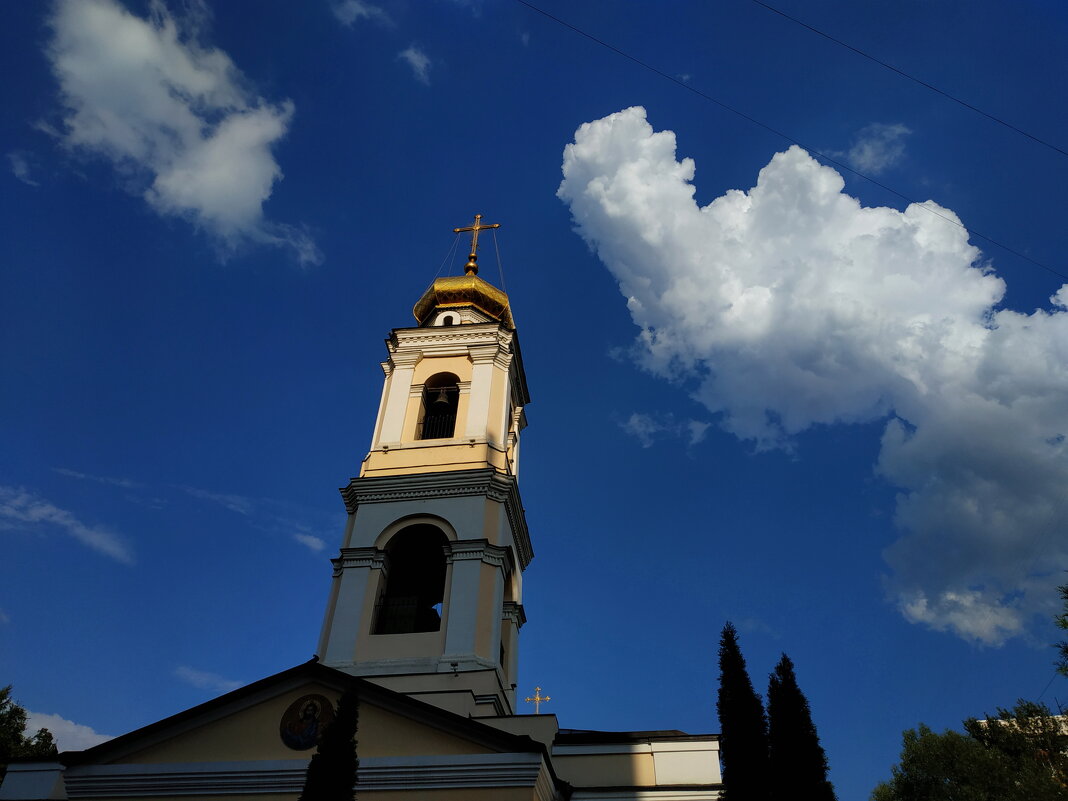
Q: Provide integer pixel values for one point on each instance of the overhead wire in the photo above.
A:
(787, 137)
(500, 266)
(913, 78)
(450, 254)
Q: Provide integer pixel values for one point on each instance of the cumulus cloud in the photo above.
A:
(418, 61)
(647, 428)
(22, 509)
(791, 305)
(877, 147)
(350, 12)
(174, 115)
(20, 167)
(70, 736)
(204, 680)
(312, 543)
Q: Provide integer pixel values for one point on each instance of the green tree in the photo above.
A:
(743, 726)
(14, 744)
(1019, 755)
(1062, 622)
(798, 762)
(331, 773)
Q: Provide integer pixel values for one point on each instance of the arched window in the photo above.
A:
(441, 395)
(415, 587)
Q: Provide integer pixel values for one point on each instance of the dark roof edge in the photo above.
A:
(591, 737)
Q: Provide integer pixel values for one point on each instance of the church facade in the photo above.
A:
(423, 620)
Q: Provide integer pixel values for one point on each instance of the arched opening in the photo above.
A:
(441, 396)
(415, 587)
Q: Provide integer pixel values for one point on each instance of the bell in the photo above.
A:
(442, 397)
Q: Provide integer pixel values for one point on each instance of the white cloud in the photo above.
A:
(790, 305)
(4, 617)
(418, 61)
(349, 12)
(20, 167)
(125, 483)
(22, 509)
(312, 543)
(145, 94)
(204, 680)
(877, 147)
(70, 736)
(235, 503)
(650, 428)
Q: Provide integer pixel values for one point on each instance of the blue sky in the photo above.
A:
(781, 398)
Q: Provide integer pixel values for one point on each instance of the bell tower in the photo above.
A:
(426, 596)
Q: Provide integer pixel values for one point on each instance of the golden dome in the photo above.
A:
(464, 290)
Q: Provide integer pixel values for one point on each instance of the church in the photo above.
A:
(423, 620)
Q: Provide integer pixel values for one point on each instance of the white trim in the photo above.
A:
(287, 775)
(644, 794)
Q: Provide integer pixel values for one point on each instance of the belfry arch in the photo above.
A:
(441, 400)
(414, 587)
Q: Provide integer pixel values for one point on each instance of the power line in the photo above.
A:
(787, 137)
(921, 82)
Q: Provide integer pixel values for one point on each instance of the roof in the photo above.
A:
(464, 290)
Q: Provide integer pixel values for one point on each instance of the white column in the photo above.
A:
(478, 402)
(396, 401)
(463, 599)
(356, 569)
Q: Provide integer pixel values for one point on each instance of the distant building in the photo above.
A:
(423, 618)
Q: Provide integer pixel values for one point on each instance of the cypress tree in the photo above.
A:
(331, 773)
(798, 763)
(743, 747)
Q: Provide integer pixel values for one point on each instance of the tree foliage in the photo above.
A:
(1062, 622)
(797, 760)
(14, 744)
(743, 726)
(1018, 755)
(331, 773)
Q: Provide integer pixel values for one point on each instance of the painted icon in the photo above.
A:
(304, 721)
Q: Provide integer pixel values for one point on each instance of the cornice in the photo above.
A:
(457, 483)
(480, 550)
(287, 775)
(360, 557)
(514, 612)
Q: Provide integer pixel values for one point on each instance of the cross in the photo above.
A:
(471, 268)
(536, 699)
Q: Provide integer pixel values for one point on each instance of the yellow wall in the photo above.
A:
(593, 770)
(428, 366)
(252, 734)
(427, 458)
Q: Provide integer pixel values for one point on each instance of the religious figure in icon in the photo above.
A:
(304, 721)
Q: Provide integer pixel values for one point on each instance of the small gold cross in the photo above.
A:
(471, 268)
(536, 699)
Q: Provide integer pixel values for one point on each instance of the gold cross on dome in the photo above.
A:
(471, 268)
(536, 699)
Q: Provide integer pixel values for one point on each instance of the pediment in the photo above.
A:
(255, 722)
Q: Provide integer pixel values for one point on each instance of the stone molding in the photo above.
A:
(455, 483)
(645, 794)
(448, 340)
(514, 613)
(286, 776)
(360, 557)
(480, 550)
